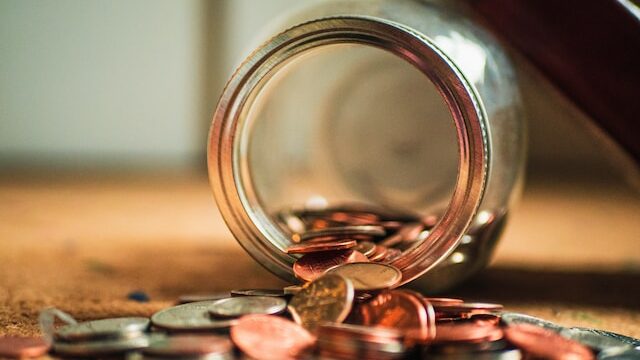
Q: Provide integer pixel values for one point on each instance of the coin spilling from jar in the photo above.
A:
(348, 307)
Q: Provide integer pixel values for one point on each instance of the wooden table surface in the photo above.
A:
(83, 242)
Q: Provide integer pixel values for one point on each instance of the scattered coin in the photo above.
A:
(468, 332)
(189, 317)
(259, 292)
(399, 309)
(116, 328)
(369, 276)
(543, 343)
(245, 305)
(22, 347)
(191, 345)
(310, 247)
(346, 341)
(326, 299)
(313, 265)
(270, 337)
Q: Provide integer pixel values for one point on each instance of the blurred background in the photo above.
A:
(104, 113)
(132, 85)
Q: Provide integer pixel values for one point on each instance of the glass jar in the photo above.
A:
(403, 105)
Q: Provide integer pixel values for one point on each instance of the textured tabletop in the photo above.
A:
(84, 242)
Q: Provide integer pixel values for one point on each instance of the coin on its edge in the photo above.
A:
(369, 276)
(326, 299)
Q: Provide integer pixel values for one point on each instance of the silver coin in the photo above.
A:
(259, 292)
(511, 318)
(189, 298)
(100, 347)
(341, 231)
(123, 327)
(189, 317)
(245, 305)
(292, 289)
(593, 338)
(621, 353)
(623, 338)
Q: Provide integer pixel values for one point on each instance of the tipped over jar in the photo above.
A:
(403, 116)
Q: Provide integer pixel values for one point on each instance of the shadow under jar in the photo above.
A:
(404, 109)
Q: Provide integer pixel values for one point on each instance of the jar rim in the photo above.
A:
(236, 201)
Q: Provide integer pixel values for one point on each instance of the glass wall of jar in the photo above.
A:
(406, 109)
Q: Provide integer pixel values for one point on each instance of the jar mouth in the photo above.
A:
(234, 193)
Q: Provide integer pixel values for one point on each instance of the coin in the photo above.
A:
(189, 317)
(367, 248)
(408, 232)
(189, 298)
(326, 299)
(245, 305)
(311, 266)
(622, 338)
(379, 253)
(346, 341)
(22, 347)
(100, 347)
(464, 309)
(189, 345)
(339, 232)
(443, 301)
(259, 292)
(543, 343)
(399, 309)
(621, 353)
(467, 332)
(310, 247)
(511, 318)
(100, 329)
(270, 337)
(292, 289)
(369, 276)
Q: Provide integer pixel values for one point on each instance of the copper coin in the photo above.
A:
(326, 299)
(22, 347)
(270, 337)
(340, 232)
(367, 248)
(408, 232)
(467, 332)
(379, 253)
(398, 309)
(311, 266)
(189, 345)
(369, 276)
(542, 343)
(310, 247)
(464, 309)
(392, 254)
(360, 332)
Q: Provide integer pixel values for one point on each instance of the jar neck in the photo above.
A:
(227, 156)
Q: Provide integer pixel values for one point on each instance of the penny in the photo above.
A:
(511, 318)
(465, 309)
(346, 341)
(543, 343)
(189, 345)
(340, 232)
(22, 347)
(189, 317)
(399, 309)
(369, 276)
(245, 305)
(259, 292)
(310, 247)
(379, 253)
(467, 332)
(189, 298)
(326, 299)
(270, 337)
(100, 329)
(367, 248)
(100, 347)
(311, 266)
(391, 255)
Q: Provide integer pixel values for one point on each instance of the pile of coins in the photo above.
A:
(347, 308)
